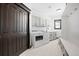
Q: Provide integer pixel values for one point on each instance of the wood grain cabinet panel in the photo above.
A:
(14, 29)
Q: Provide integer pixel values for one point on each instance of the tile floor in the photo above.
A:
(50, 49)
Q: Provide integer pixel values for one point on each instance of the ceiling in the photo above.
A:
(47, 8)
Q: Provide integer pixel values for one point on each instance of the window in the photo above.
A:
(57, 24)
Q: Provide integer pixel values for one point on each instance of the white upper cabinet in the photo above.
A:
(38, 21)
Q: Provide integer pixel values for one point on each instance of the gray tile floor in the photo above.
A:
(50, 49)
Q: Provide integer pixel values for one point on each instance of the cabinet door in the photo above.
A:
(0, 46)
(13, 29)
(3, 30)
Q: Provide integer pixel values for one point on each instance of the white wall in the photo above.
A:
(70, 29)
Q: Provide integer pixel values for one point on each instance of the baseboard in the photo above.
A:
(65, 53)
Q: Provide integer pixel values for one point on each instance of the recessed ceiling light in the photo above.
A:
(75, 9)
(71, 13)
(58, 10)
(49, 6)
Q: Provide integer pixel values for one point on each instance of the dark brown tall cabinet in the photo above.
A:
(14, 29)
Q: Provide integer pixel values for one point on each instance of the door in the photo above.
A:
(14, 29)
